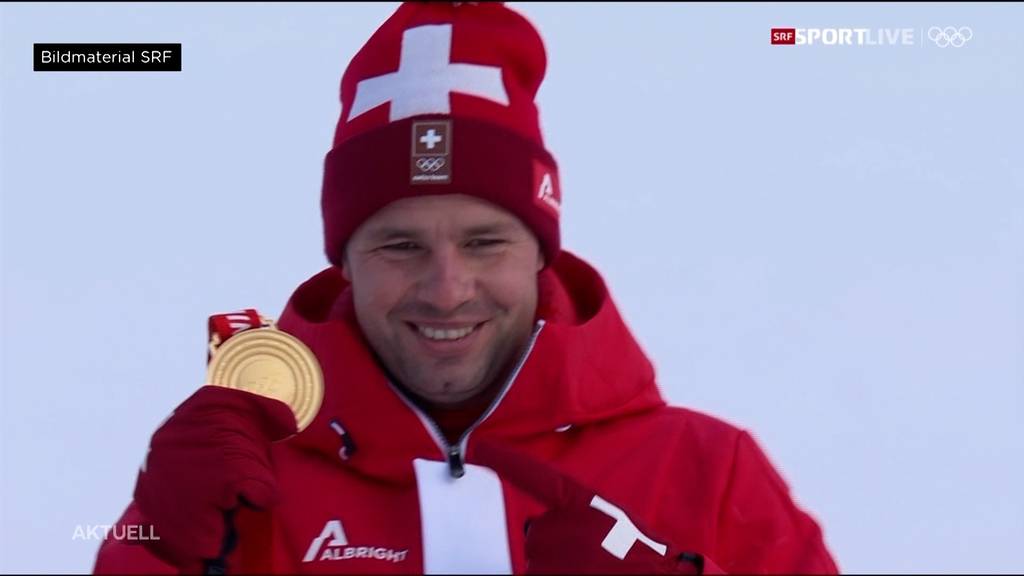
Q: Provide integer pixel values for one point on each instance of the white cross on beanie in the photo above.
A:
(425, 77)
(440, 100)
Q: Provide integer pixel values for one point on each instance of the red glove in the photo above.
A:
(211, 455)
(581, 532)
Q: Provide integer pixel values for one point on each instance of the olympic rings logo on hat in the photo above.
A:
(430, 164)
(950, 36)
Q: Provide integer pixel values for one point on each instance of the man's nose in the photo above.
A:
(449, 281)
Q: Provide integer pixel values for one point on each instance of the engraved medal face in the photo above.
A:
(271, 363)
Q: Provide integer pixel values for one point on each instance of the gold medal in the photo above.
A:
(271, 363)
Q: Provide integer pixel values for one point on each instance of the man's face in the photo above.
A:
(445, 291)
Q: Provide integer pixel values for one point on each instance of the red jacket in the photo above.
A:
(584, 400)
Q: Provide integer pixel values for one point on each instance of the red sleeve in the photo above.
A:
(260, 548)
(125, 557)
(760, 528)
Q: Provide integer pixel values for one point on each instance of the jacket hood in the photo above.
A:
(584, 366)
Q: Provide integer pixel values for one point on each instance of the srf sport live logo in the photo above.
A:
(941, 36)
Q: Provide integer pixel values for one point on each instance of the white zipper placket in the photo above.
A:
(455, 454)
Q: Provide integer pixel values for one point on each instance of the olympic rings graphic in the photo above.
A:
(950, 36)
(429, 164)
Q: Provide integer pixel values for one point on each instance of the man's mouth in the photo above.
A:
(447, 333)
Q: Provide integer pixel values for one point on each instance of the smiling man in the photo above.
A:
(445, 291)
(485, 408)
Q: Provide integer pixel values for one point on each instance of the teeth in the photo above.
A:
(442, 334)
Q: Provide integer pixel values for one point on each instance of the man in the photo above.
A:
(485, 408)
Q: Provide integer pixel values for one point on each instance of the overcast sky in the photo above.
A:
(821, 244)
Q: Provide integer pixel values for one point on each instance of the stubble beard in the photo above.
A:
(426, 379)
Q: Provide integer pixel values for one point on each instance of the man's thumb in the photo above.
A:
(258, 494)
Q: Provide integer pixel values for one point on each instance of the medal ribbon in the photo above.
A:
(223, 326)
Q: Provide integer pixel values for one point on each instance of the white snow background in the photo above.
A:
(822, 244)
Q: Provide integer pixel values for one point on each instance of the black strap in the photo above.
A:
(219, 565)
(696, 560)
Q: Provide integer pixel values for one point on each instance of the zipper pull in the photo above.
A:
(455, 467)
(348, 447)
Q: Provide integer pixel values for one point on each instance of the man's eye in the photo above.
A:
(484, 242)
(400, 247)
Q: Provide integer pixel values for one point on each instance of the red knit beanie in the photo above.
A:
(440, 100)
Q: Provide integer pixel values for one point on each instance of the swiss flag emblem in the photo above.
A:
(425, 78)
